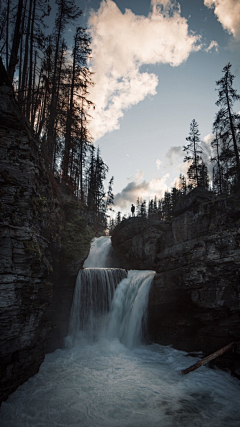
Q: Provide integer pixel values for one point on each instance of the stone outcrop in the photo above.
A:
(194, 302)
(25, 263)
(36, 287)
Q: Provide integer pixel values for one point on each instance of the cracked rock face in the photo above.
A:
(194, 303)
(24, 266)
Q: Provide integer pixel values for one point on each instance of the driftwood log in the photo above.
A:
(207, 359)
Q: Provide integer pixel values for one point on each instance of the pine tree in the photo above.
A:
(203, 176)
(138, 206)
(16, 41)
(182, 185)
(143, 209)
(217, 168)
(150, 208)
(193, 150)
(96, 192)
(118, 219)
(155, 205)
(167, 205)
(175, 195)
(110, 195)
(67, 12)
(227, 122)
(76, 136)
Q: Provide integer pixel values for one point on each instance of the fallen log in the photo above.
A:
(207, 359)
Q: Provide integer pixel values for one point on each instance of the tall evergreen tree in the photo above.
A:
(110, 195)
(203, 176)
(227, 122)
(193, 152)
(67, 12)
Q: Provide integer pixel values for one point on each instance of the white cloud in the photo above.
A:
(145, 190)
(173, 153)
(207, 150)
(209, 138)
(158, 163)
(212, 45)
(121, 44)
(139, 175)
(228, 13)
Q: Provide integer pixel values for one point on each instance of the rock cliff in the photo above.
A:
(34, 280)
(194, 302)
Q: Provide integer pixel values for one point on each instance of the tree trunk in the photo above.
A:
(16, 40)
(25, 63)
(233, 132)
(30, 79)
(208, 358)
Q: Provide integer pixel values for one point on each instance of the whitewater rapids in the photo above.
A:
(105, 377)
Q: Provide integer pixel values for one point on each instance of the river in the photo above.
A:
(106, 377)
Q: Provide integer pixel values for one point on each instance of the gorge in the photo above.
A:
(193, 303)
(105, 378)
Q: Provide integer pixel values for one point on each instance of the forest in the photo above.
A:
(224, 163)
(51, 83)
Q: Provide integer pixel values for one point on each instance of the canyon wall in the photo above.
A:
(37, 278)
(194, 302)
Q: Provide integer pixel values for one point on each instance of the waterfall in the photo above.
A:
(108, 380)
(92, 300)
(129, 308)
(99, 253)
(108, 302)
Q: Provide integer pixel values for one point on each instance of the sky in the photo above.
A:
(155, 67)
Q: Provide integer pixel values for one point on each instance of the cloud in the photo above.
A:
(212, 45)
(145, 190)
(209, 138)
(139, 175)
(121, 44)
(228, 13)
(158, 163)
(174, 152)
(207, 148)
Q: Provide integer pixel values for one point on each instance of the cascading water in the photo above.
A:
(92, 300)
(109, 379)
(129, 307)
(99, 253)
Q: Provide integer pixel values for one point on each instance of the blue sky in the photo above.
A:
(156, 64)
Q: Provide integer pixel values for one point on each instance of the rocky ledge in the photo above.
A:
(194, 302)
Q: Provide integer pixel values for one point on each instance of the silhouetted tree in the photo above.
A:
(167, 205)
(110, 195)
(193, 151)
(67, 12)
(118, 219)
(143, 209)
(227, 124)
(203, 176)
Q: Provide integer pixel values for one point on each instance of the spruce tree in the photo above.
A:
(227, 124)
(193, 154)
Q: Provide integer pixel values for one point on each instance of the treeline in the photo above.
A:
(51, 82)
(162, 209)
(225, 145)
(225, 160)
